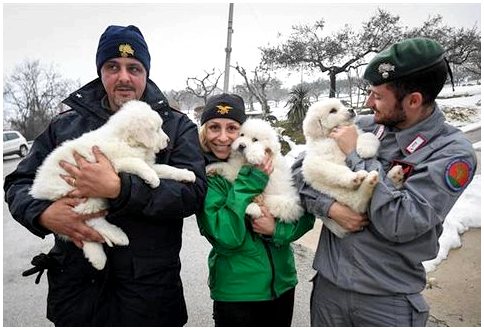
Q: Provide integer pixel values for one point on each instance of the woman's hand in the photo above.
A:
(98, 179)
(266, 224)
(266, 166)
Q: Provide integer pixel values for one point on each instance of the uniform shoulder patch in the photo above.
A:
(458, 174)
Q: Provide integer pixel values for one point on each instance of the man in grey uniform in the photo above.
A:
(374, 276)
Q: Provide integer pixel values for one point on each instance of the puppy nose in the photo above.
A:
(352, 112)
(241, 147)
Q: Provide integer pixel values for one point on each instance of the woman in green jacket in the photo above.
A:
(252, 275)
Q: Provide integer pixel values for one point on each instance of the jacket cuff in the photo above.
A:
(278, 236)
(36, 228)
(319, 206)
(118, 202)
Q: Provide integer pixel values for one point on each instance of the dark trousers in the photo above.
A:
(270, 313)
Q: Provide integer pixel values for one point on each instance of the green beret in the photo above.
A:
(402, 59)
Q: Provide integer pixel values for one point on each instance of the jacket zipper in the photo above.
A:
(271, 262)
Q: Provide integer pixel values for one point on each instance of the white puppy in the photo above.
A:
(129, 139)
(324, 166)
(280, 196)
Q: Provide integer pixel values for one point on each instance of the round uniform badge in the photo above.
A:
(458, 174)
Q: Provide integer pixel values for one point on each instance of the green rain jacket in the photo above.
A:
(243, 265)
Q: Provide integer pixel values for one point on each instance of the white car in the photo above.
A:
(14, 143)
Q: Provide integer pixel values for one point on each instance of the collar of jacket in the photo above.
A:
(87, 100)
(422, 132)
(210, 158)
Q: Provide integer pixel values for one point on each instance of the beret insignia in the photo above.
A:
(126, 50)
(458, 174)
(223, 109)
(384, 69)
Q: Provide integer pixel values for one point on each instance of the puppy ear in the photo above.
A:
(139, 126)
(311, 125)
(144, 135)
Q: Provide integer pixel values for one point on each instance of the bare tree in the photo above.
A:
(462, 46)
(183, 99)
(258, 85)
(310, 48)
(205, 86)
(276, 92)
(243, 92)
(33, 95)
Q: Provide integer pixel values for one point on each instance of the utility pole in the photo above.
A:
(228, 49)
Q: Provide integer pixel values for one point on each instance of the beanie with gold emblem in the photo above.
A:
(402, 59)
(121, 41)
(224, 105)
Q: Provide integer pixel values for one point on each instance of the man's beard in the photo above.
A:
(397, 116)
(120, 101)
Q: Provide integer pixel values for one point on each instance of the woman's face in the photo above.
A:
(220, 133)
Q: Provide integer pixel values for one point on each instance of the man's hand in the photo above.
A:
(60, 218)
(345, 137)
(98, 179)
(347, 218)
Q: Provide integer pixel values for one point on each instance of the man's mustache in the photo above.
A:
(124, 87)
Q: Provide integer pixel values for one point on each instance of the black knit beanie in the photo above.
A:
(120, 41)
(224, 106)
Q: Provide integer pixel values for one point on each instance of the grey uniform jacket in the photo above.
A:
(405, 225)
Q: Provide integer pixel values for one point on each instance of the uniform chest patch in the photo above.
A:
(407, 168)
(458, 174)
(418, 142)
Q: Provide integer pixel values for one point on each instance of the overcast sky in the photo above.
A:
(186, 39)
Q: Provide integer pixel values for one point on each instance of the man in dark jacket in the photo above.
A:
(140, 285)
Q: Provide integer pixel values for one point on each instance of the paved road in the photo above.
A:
(24, 302)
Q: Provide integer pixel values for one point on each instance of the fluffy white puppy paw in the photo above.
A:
(95, 254)
(367, 145)
(358, 178)
(186, 175)
(114, 235)
(396, 175)
(253, 210)
(372, 178)
(152, 180)
(213, 169)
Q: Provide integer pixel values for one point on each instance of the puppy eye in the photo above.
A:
(254, 140)
(241, 134)
(333, 111)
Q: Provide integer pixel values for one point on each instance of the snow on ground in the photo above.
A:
(465, 214)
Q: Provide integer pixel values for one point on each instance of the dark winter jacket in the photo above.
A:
(140, 284)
